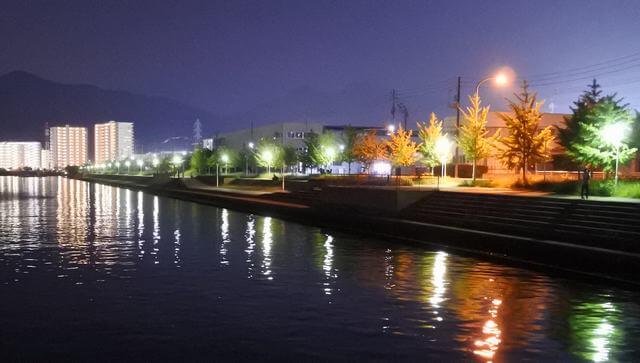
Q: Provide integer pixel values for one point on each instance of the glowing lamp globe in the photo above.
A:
(614, 133)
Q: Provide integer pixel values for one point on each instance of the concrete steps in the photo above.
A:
(598, 224)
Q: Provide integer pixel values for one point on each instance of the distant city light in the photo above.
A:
(381, 167)
(224, 158)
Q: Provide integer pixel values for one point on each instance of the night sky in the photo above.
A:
(229, 56)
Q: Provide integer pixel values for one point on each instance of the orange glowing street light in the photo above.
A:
(501, 79)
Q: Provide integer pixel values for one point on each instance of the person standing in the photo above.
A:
(584, 190)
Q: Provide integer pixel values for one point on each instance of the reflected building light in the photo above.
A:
(249, 235)
(156, 229)
(327, 265)
(140, 206)
(224, 235)
(129, 214)
(267, 242)
(176, 247)
(388, 269)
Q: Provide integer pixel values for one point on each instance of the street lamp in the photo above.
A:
(177, 160)
(155, 162)
(128, 165)
(443, 150)
(246, 158)
(267, 156)
(613, 134)
(391, 128)
(225, 159)
(501, 79)
(140, 163)
(118, 166)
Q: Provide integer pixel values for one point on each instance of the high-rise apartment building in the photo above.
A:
(19, 155)
(68, 146)
(113, 141)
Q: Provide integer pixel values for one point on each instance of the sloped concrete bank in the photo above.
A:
(340, 210)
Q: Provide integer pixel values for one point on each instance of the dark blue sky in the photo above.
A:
(229, 56)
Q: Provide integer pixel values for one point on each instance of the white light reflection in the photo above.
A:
(267, 242)
(327, 265)
(388, 269)
(224, 234)
(437, 279)
(156, 229)
(176, 247)
(140, 224)
(249, 235)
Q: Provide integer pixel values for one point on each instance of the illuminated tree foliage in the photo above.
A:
(473, 136)
(350, 139)
(582, 136)
(592, 147)
(268, 154)
(321, 149)
(369, 148)
(199, 160)
(403, 151)
(526, 143)
(429, 134)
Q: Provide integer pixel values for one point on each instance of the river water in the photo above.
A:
(94, 272)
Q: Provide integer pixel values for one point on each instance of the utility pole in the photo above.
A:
(457, 160)
(394, 100)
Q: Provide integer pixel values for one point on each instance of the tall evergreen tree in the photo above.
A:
(592, 147)
(526, 143)
(570, 135)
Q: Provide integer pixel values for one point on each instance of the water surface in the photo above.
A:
(89, 271)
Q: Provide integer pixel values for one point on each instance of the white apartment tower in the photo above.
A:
(18, 155)
(68, 146)
(113, 141)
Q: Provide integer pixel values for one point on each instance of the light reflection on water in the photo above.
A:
(161, 270)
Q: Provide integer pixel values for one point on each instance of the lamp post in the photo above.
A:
(246, 158)
(155, 162)
(267, 156)
(613, 134)
(140, 164)
(118, 166)
(128, 165)
(443, 146)
(225, 159)
(177, 160)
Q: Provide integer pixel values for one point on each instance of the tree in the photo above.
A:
(368, 148)
(429, 135)
(473, 136)
(199, 159)
(526, 143)
(348, 156)
(268, 154)
(289, 156)
(593, 146)
(571, 134)
(403, 151)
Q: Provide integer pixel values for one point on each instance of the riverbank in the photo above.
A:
(589, 237)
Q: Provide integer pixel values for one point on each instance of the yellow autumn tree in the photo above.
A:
(526, 143)
(429, 135)
(473, 136)
(402, 150)
(369, 148)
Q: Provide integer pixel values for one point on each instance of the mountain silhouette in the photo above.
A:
(27, 102)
